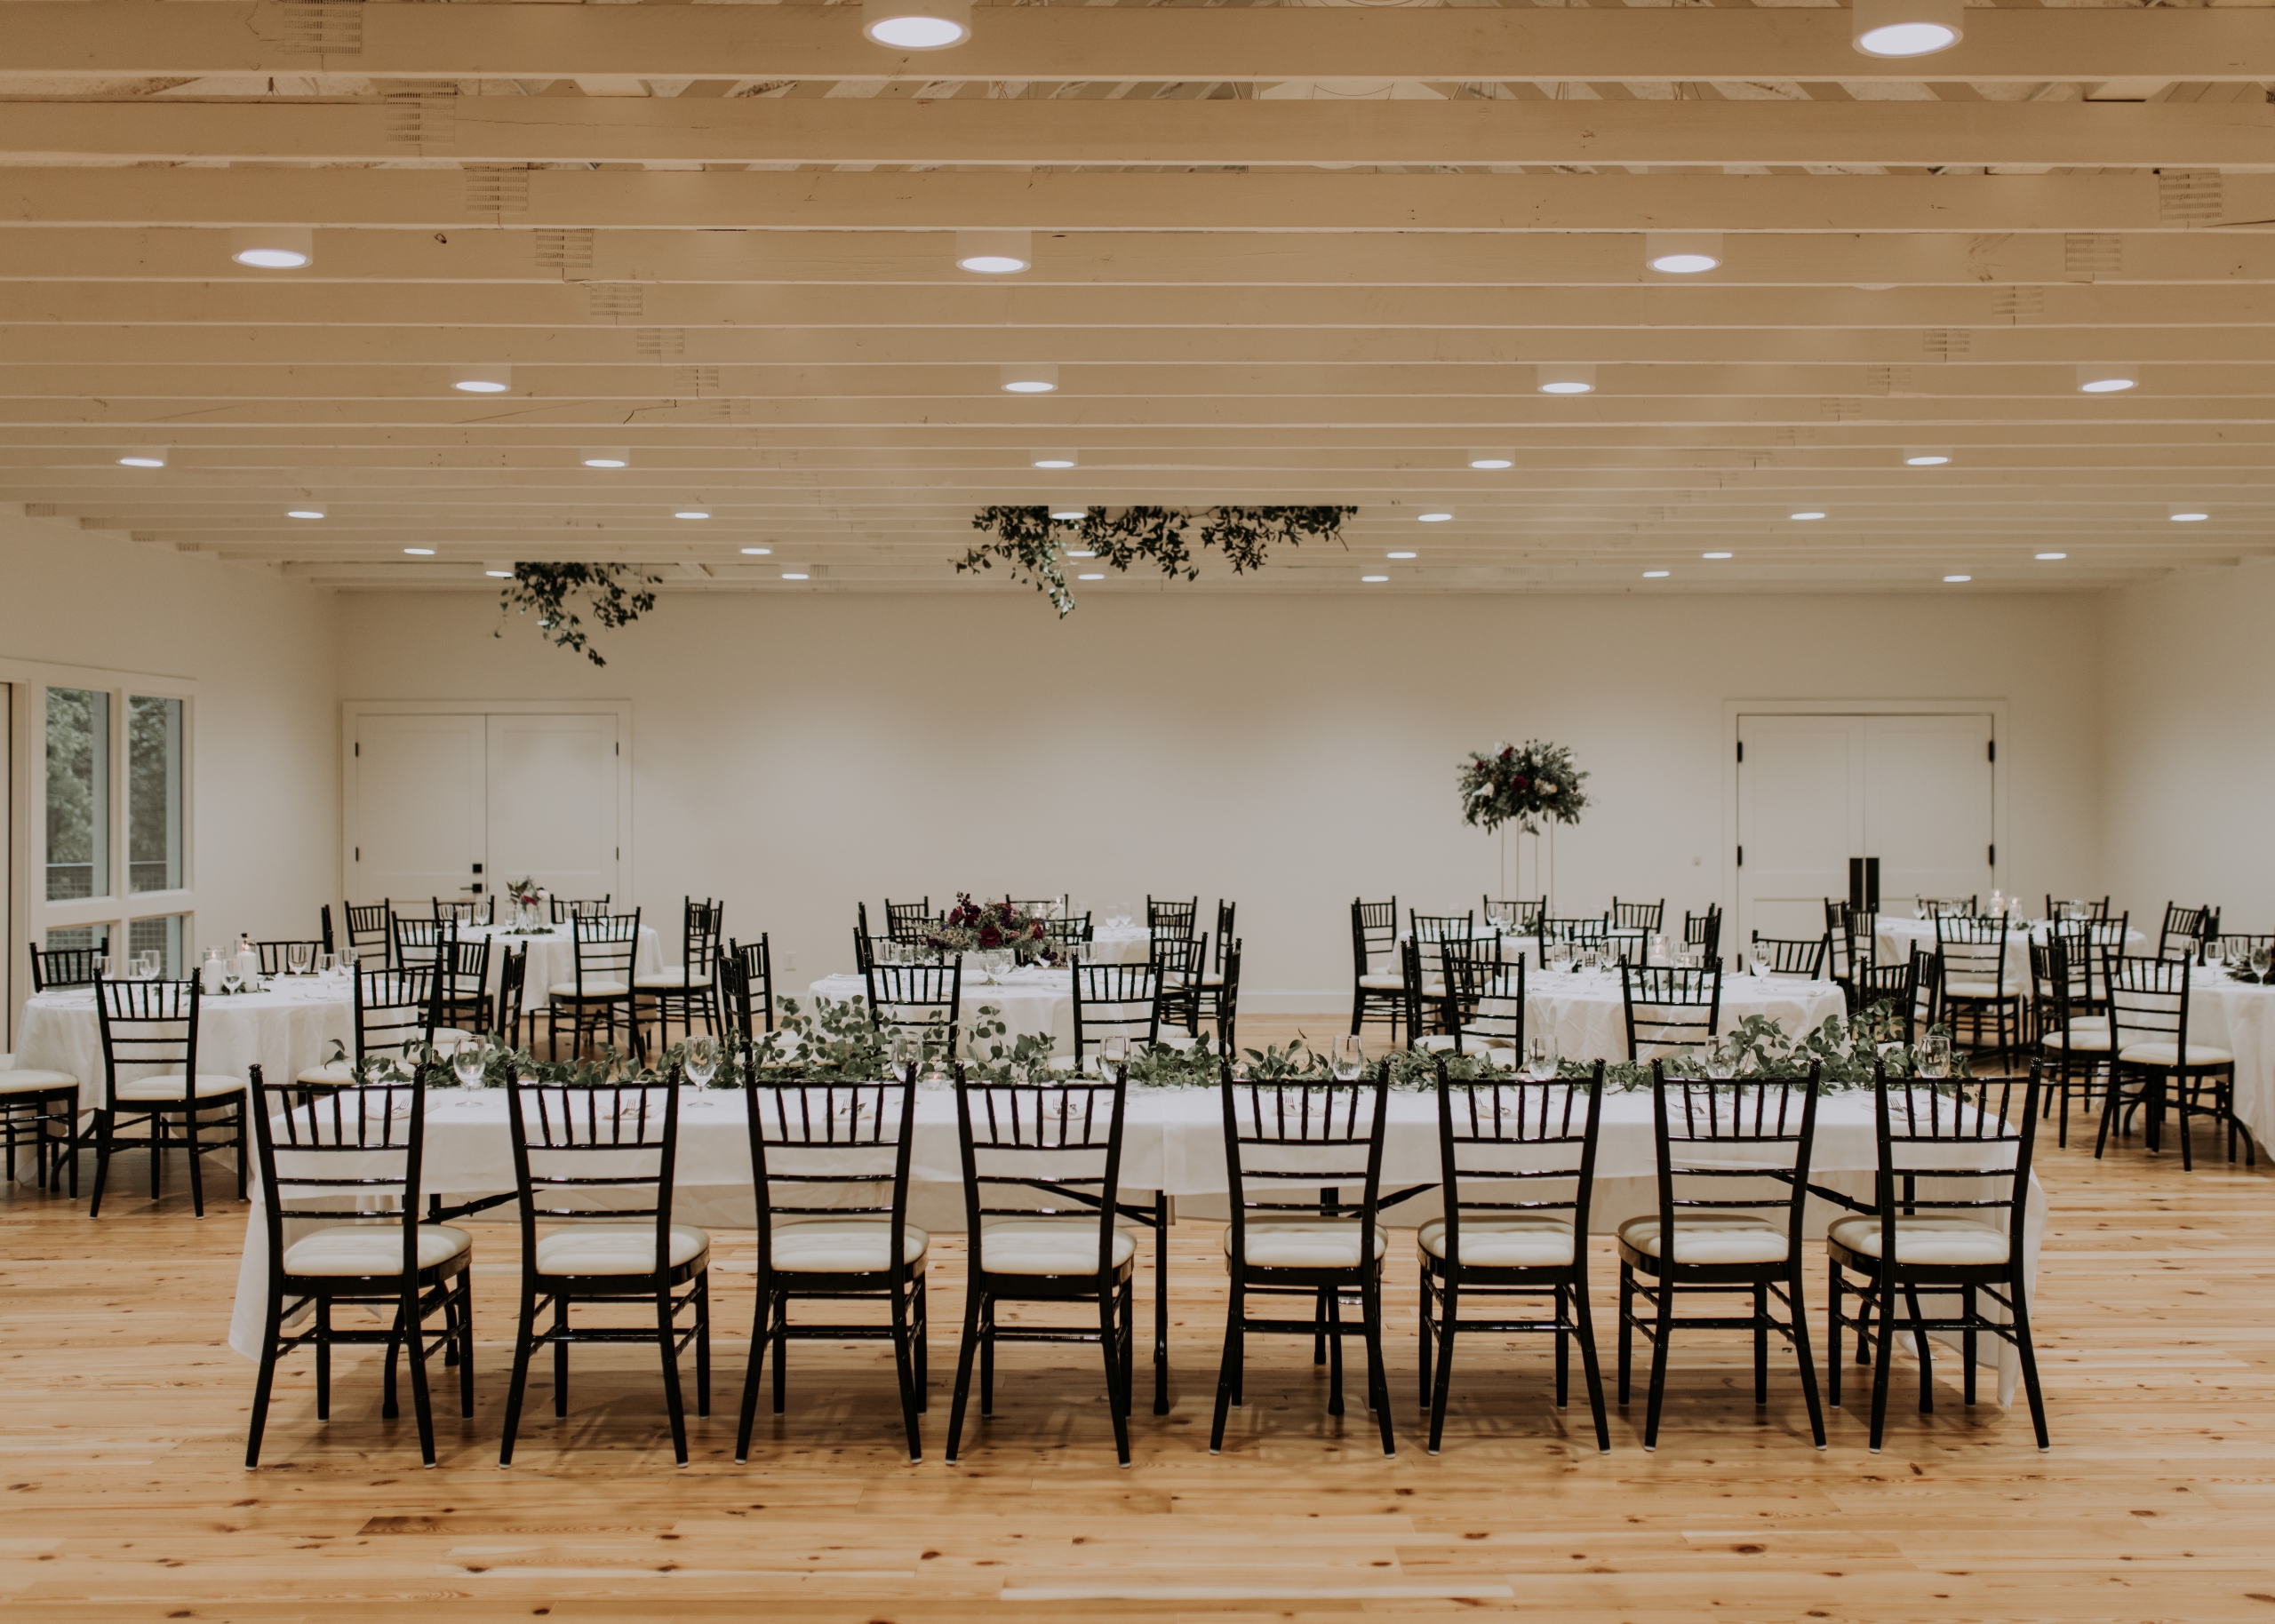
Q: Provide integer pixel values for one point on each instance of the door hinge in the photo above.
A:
(1741, 750)
(1994, 856)
(1994, 749)
(619, 853)
(1741, 856)
(359, 854)
(620, 747)
(359, 749)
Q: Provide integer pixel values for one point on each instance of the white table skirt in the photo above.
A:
(1173, 1142)
(285, 1032)
(2239, 1017)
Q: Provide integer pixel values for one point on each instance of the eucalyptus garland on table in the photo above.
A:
(616, 595)
(1035, 545)
(1507, 784)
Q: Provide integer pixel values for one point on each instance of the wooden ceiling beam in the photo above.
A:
(1066, 43)
(505, 130)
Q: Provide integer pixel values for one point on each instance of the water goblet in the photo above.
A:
(701, 1059)
(1114, 1054)
(1757, 959)
(1935, 1056)
(1350, 1058)
(903, 1052)
(468, 1063)
(1540, 1057)
(147, 966)
(296, 958)
(232, 978)
(2260, 959)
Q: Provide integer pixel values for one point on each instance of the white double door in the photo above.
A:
(1918, 792)
(456, 806)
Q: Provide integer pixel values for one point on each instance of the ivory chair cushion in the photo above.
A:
(1972, 986)
(1383, 983)
(145, 1090)
(1435, 1043)
(1927, 1238)
(1049, 1246)
(331, 1071)
(675, 975)
(32, 1082)
(1479, 1037)
(1710, 1238)
(356, 1250)
(1305, 1243)
(2169, 1054)
(1512, 1240)
(592, 989)
(2079, 1040)
(844, 1245)
(616, 1248)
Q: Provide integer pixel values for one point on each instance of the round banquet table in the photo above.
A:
(284, 1031)
(552, 956)
(1893, 940)
(1172, 1142)
(2239, 1017)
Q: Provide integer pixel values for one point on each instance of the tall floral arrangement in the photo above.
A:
(1525, 786)
(972, 927)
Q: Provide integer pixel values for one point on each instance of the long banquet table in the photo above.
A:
(1172, 1145)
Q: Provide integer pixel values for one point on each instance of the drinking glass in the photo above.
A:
(904, 1052)
(231, 977)
(106, 967)
(1757, 959)
(1658, 949)
(1935, 1056)
(702, 1058)
(296, 958)
(347, 962)
(2260, 959)
(1350, 1058)
(147, 966)
(1117, 914)
(1114, 1054)
(467, 1063)
(1540, 1056)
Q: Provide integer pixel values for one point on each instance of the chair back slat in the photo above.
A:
(826, 1147)
(1120, 1000)
(1712, 1133)
(1374, 936)
(700, 925)
(2148, 999)
(1669, 1010)
(1797, 958)
(148, 1027)
(1969, 1140)
(421, 941)
(1295, 1146)
(1168, 914)
(1057, 1143)
(608, 948)
(1645, 916)
(1512, 1145)
(923, 1001)
(910, 921)
(341, 1153)
(64, 967)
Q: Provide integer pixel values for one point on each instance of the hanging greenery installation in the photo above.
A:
(614, 595)
(1035, 545)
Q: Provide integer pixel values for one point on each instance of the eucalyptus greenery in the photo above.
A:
(615, 594)
(1034, 545)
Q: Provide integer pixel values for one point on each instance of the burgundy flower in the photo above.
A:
(991, 937)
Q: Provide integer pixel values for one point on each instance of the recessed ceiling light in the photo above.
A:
(796, 574)
(995, 253)
(1401, 555)
(499, 572)
(1090, 578)
(1714, 555)
(143, 456)
(1926, 457)
(1682, 253)
(421, 552)
(1432, 517)
(1080, 552)
(917, 25)
(1052, 459)
(1958, 579)
(1656, 575)
(2099, 379)
(306, 510)
(1806, 513)
(2051, 557)
(1070, 515)
(482, 380)
(608, 456)
(2184, 514)
(1374, 578)
(757, 551)
(692, 513)
(1040, 379)
(1578, 378)
(272, 248)
(1906, 28)
(1493, 456)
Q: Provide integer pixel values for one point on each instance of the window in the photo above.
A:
(78, 794)
(153, 794)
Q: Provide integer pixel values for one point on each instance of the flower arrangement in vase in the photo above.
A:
(989, 928)
(1525, 786)
(529, 900)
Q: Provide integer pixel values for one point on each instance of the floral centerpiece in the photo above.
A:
(988, 927)
(1523, 786)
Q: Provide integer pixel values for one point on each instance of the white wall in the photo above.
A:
(2189, 750)
(266, 734)
(793, 753)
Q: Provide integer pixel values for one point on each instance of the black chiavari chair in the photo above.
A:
(565, 909)
(1703, 933)
(751, 1008)
(463, 909)
(462, 1002)
(688, 990)
(607, 948)
(56, 968)
(418, 944)
(2062, 910)
(1490, 996)
(1894, 988)
(2072, 1037)
(1115, 1000)
(1646, 917)
(393, 1014)
(1948, 907)
(1181, 961)
(276, 957)
(1518, 1164)
(1427, 999)
(2157, 1067)
(41, 1108)
(1378, 986)
(1670, 1011)
(371, 926)
(909, 921)
(512, 990)
(1978, 981)
(1220, 998)
(1168, 913)
(923, 1001)
(2183, 933)
(324, 930)
(151, 1081)
(1789, 957)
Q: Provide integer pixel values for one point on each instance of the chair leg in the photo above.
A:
(987, 1363)
(1562, 1311)
(1802, 1354)
(1584, 1320)
(1664, 1334)
(561, 1358)
(389, 1407)
(1334, 1352)
(103, 1130)
(675, 1403)
(465, 1342)
(965, 1349)
(1968, 1345)
(1626, 1329)
(1370, 1306)
(919, 1332)
(781, 1334)
(1441, 1380)
(1833, 1334)
(265, 1384)
(1117, 1402)
(703, 1344)
(1886, 1296)
(904, 1366)
(422, 1402)
(2025, 1350)
(762, 1318)
(1761, 1345)
(239, 1114)
(1228, 1364)
(1429, 1300)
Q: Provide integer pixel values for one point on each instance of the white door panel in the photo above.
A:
(553, 802)
(1927, 805)
(1801, 815)
(417, 795)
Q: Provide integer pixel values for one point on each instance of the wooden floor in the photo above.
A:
(123, 1416)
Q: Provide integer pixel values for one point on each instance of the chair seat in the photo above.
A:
(149, 1090)
(359, 1250)
(2169, 1054)
(2079, 1040)
(1049, 1246)
(592, 989)
(446, 1035)
(331, 1071)
(844, 1245)
(1305, 1243)
(665, 980)
(1435, 1043)
(34, 1082)
(1383, 983)
(1710, 1238)
(1971, 986)
(1517, 1240)
(1925, 1238)
(1473, 1036)
(616, 1248)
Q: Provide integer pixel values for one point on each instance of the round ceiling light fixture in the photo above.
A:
(272, 248)
(758, 552)
(1957, 580)
(1438, 517)
(1401, 555)
(305, 510)
(797, 573)
(1374, 579)
(499, 571)
(482, 380)
(1039, 379)
(1925, 455)
(2099, 379)
(1656, 575)
(1492, 456)
(1093, 576)
(1716, 556)
(1906, 28)
(2186, 513)
(1805, 512)
(607, 457)
(1070, 515)
(995, 253)
(1575, 378)
(143, 456)
(2049, 558)
(691, 512)
(421, 552)
(1052, 459)
(916, 25)
(1682, 253)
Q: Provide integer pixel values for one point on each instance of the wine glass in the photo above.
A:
(1114, 1054)
(468, 1062)
(1117, 914)
(2260, 959)
(1757, 959)
(297, 957)
(1350, 1058)
(232, 977)
(1540, 1056)
(702, 1058)
(903, 1052)
(1935, 1056)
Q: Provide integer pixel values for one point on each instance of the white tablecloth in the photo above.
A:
(553, 959)
(2239, 1017)
(1032, 1000)
(1173, 1141)
(1894, 938)
(285, 1031)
